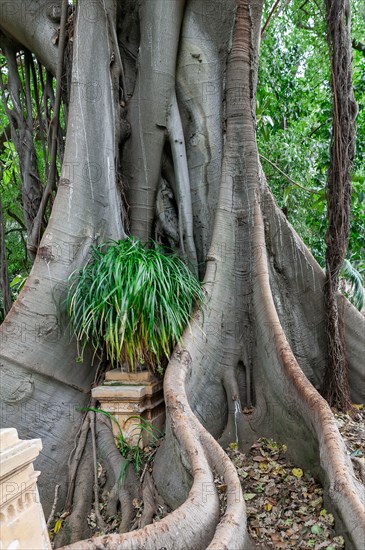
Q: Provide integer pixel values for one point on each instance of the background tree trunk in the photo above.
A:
(335, 384)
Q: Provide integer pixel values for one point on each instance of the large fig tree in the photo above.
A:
(160, 143)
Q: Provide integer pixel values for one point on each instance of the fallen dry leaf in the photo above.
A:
(284, 504)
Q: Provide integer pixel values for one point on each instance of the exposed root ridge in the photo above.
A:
(196, 523)
(343, 488)
(231, 529)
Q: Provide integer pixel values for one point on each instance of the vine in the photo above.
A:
(342, 150)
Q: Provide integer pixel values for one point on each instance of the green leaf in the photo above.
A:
(249, 496)
(350, 273)
(18, 280)
(357, 178)
(316, 529)
(321, 196)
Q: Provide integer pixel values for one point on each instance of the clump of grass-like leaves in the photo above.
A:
(135, 299)
(356, 283)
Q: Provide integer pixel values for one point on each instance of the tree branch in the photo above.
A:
(29, 24)
(311, 191)
(16, 218)
(272, 11)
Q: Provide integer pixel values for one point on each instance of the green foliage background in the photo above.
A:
(294, 120)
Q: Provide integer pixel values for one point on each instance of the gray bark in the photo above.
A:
(148, 108)
(42, 383)
(34, 25)
(260, 339)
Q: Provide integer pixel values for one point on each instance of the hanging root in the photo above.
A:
(35, 234)
(76, 527)
(335, 384)
(21, 130)
(182, 193)
(74, 463)
(149, 500)
(101, 523)
(196, 523)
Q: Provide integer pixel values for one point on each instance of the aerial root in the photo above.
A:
(101, 522)
(149, 501)
(196, 524)
(126, 485)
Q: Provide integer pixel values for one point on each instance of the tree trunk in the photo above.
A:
(42, 383)
(335, 384)
(260, 337)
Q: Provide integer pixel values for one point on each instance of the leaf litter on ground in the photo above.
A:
(284, 503)
(352, 430)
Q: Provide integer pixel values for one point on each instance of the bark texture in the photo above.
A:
(190, 74)
(42, 384)
(335, 385)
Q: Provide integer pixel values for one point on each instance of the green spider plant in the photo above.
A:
(135, 300)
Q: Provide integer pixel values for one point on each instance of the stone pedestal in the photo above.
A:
(22, 523)
(130, 397)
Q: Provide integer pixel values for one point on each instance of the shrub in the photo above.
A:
(135, 299)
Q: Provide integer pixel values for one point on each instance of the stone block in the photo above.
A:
(131, 397)
(22, 522)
